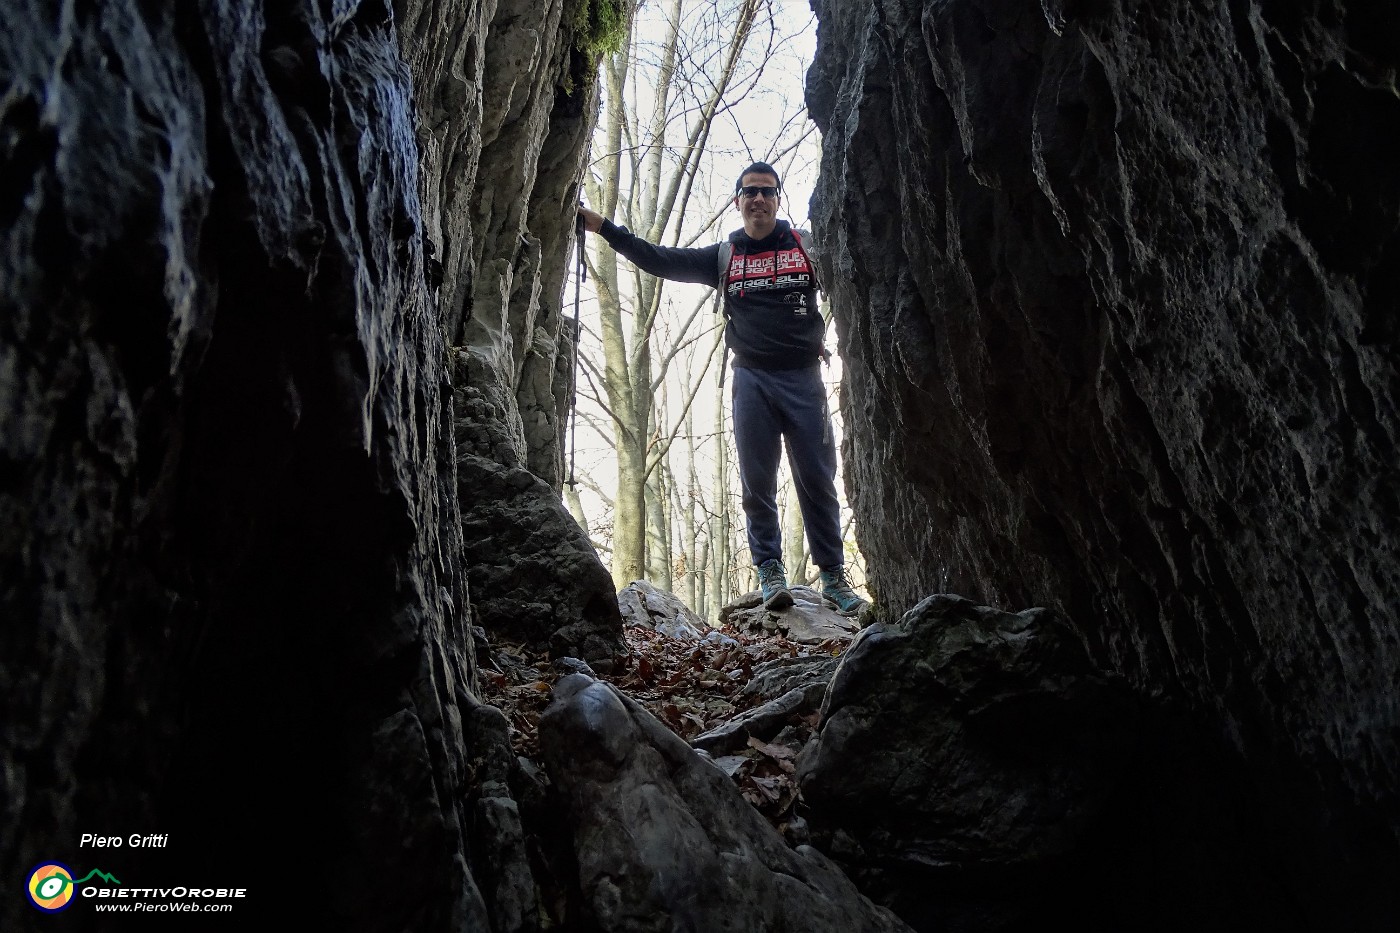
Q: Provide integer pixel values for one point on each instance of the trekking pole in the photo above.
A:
(573, 381)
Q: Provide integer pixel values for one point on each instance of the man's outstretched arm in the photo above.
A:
(679, 264)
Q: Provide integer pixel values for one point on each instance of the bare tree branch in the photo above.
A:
(657, 454)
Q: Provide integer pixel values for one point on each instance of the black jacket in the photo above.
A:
(770, 297)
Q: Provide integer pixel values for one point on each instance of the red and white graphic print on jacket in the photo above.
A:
(773, 270)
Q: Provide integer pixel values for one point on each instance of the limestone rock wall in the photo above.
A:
(1116, 291)
(506, 110)
(238, 242)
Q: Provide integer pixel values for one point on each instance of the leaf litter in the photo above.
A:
(690, 686)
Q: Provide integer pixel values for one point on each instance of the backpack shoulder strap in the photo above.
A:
(726, 253)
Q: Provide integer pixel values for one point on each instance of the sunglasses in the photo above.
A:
(753, 191)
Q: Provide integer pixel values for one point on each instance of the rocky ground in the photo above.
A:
(966, 769)
(747, 693)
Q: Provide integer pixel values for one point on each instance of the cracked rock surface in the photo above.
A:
(665, 842)
(236, 243)
(1115, 289)
(973, 771)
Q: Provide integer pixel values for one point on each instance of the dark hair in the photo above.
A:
(762, 167)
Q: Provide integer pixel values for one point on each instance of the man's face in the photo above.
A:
(759, 212)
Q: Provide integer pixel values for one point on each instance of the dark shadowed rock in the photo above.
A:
(566, 665)
(761, 722)
(810, 674)
(787, 689)
(977, 774)
(500, 862)
(534, 574)
(665, 842)
(1116, 291)
(235, 582)
(234, 595)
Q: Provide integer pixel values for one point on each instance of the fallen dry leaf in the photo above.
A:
(690, 687)
(778, 752)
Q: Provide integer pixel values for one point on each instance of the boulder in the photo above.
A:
(533, 573)
(808, 621)
(976, 773)
(663, 839)
(644, 605)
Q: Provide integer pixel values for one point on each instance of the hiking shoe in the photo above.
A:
(772, 580)
(837, 591)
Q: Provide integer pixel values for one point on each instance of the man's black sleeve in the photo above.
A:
(679, 264)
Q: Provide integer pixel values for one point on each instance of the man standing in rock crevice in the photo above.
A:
(775, 331)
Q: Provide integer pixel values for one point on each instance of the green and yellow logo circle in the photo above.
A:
(50, 887)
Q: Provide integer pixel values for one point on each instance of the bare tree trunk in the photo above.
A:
(575, 505)
(721, 498)
(689, 543)
(702, 574)
(628, 544)
(659, 557)
(794, 551)
(629, 514)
